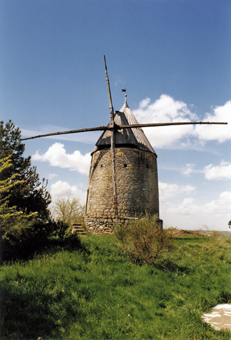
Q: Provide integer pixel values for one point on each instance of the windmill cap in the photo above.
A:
(128, 137)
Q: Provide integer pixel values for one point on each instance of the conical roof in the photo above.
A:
(130, 137)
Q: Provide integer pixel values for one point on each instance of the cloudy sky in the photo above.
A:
(174, 59)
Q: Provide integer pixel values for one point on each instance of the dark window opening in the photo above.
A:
(125, 165)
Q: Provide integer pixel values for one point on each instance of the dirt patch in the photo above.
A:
(179, 232)
(186, 232)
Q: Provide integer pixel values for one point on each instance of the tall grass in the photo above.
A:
(144, 241)
(98, 293)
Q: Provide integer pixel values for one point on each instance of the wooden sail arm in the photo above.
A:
(115, 126)
(112, 127)
(108, 90)
(165, 124)
(69, 132)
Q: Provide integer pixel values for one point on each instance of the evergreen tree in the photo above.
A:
(11, 220)
(30, 195)
(6, 185)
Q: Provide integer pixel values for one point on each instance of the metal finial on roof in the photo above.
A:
(125, 102)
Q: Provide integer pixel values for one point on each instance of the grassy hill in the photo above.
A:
(95, 292)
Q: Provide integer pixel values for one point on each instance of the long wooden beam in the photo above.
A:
(108, 90)
(68, 132)
(110, 127)
(165, 124)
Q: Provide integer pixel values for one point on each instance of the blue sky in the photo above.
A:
(174, 59)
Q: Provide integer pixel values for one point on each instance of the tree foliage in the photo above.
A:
(29, 195)
(12, 222)
(229, 224)
(25, 220)
(68, 210)
(5, 187)
(7, 213)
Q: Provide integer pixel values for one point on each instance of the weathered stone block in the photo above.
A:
(137, 185)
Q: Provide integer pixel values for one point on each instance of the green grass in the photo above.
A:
(97, 293)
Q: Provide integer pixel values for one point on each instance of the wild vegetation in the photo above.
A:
(24, 215)
(92, 290)
(31, 195)
(26, 224)
(68, 210)
(136, 284)
(144, 241)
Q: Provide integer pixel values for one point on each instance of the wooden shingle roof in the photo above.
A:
(130, 137)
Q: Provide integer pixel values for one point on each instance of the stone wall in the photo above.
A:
(137, 187)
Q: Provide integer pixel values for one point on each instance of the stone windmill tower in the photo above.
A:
(123, 180)
(135, 176)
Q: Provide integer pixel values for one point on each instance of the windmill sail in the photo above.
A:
(112, 125)
(117, 126)
(123, 180)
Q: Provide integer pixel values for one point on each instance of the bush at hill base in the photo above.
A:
(143, 240)
(25, 221)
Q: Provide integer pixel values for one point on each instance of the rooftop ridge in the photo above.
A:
(130, 137)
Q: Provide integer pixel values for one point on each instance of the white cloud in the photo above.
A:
(62, 189)
(144, 103)
(220, 206)
(167, 191)
(166, 109)
(219, 172)
(189, 168)
(56, 155)
(212, 172)
(189, 215)
(51, 176)
(220, 133)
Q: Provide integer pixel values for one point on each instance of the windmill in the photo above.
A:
(123, 179)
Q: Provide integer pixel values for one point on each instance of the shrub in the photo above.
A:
(22, 237)
(68, 210)
(144, 241)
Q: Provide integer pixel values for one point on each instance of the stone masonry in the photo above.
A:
(137, 187)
